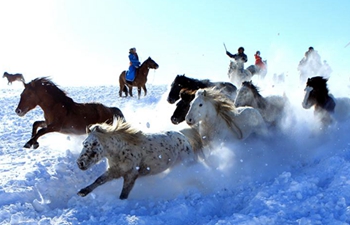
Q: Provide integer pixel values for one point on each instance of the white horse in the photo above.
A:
(237, 74)
(132, 153)
(271, 107)
(216, 118)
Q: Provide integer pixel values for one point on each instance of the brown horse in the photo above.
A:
(61, 113)
(140, 78)
(13, 77)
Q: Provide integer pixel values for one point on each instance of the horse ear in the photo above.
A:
(88, 128)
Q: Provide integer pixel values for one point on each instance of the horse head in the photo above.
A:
(29, 99)
(198, 110)
(92, 149)
(182, 106)
(316, 93)
(175, 88)
(245, 95)
(151, 64)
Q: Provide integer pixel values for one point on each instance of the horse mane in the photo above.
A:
(192, 83)
(223, 105)
(121, 129)
(52, 89)
(144, 62)
(187, 94)
(262, 103)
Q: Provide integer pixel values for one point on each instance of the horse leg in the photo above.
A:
(99, 181)
(33, 141)
(138, 92)
(129, 181)
(125, 90)
(36, 125)
(144, 89)
(130, 90)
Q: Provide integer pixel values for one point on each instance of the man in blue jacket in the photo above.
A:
(134, 64)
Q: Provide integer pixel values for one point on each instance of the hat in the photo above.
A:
(241, 48)
(132, 49)
(258, 52)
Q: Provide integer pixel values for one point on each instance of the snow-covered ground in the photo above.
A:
(297, 176)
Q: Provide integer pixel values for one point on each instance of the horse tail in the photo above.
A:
(118, 113)
(195, 141)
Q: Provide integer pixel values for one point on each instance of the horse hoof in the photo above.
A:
(27, 145)
(83, 192)
(36, 145)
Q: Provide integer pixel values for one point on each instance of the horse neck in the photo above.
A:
(212, 125)
(112, 144)
(144, 69)
(195, 84)
(48, 103)
(259, 102)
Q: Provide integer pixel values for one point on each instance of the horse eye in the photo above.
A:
(200, 105)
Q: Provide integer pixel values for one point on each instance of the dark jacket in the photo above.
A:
(241, 56)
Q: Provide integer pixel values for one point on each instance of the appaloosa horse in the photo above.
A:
(61, 113)
(132, 153)
(140, 78)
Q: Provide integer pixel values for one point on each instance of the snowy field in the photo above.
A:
(299, 175)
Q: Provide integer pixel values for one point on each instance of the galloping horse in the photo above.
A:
(216, 118)
(132, 153)
(271, 107)
(140, 78)
(317, 95)
(61, 113)
(13, 77)
(182, 106)
(181, 81)
(237, 74)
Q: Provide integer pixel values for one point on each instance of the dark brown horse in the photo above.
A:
(61, 113)
(13, 77)
(140, 78)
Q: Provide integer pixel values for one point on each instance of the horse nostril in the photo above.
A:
(18, 111)
(80, 164)
(174, 120)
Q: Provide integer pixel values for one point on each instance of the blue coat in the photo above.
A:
(134, 60)
(134, 63)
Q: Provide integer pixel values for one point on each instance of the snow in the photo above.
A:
(299, 175)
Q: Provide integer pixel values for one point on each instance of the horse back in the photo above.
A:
(81, 115)
(161, 151)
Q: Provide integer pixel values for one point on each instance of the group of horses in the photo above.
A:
(214, 111)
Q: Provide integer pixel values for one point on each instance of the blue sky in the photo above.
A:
(81, 41)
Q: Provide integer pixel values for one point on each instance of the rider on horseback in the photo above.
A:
(134, 64)
(239, 57)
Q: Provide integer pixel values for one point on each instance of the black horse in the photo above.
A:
(317, 95)
(182, 106)
(181, 82)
